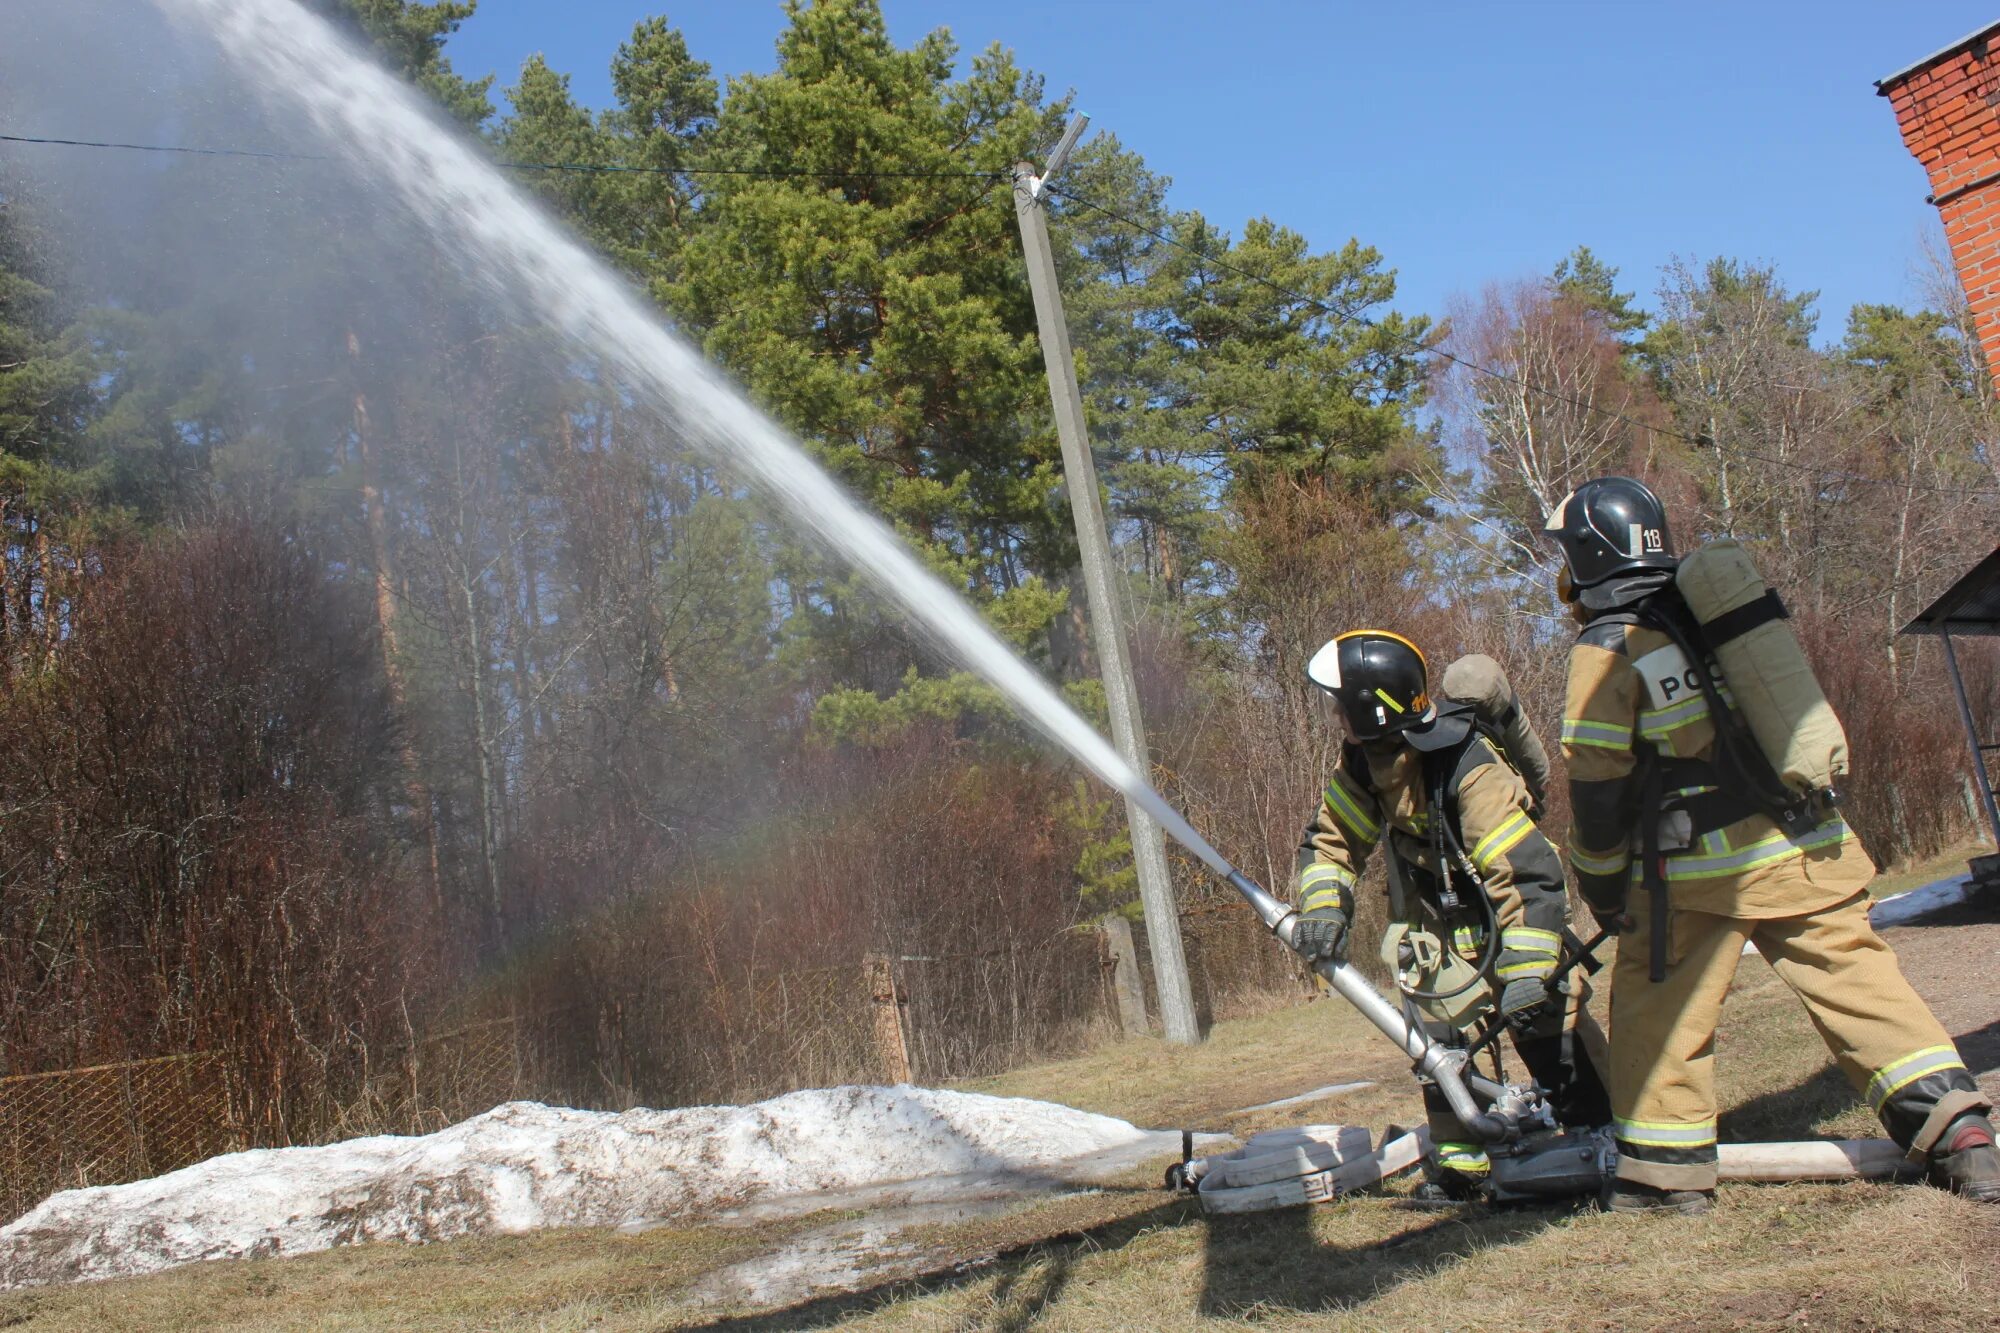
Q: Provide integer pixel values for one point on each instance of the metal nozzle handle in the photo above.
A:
(1443, 1066)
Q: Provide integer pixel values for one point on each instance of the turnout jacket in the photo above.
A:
(1487, 804)
(1635, 701)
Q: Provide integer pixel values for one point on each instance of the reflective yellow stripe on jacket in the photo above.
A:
(1504, 838)
(1341, 800)
(1325, 885)
(1765, 851)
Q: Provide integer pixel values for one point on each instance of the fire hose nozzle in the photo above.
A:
(1442, 1065)
(1274, 914)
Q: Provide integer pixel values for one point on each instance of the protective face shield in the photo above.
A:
(1378, 680)
(1568, 593)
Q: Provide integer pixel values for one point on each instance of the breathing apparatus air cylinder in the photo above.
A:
(1764, 670)
(1477, 679)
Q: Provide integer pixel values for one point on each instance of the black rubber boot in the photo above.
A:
(1966, 1162)
(1629, 1196)
(1447, 1189)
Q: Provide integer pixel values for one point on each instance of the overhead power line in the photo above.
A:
(590, 168)
(1701, 441)
(1525, 385)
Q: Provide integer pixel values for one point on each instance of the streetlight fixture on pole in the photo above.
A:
(1128, 731)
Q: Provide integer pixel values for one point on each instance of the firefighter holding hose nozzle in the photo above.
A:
(1478, 906)
(1703, 770)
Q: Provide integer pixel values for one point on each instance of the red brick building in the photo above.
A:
(1948, 108)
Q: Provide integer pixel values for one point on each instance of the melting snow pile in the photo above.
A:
(1917, 904)
(524, 1166)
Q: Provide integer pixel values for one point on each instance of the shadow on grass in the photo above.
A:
(1791, 1113)
(1980, 1048)
(1266, 1262)
(1030, 1277)
(1263, 1262)
(1277, 1261)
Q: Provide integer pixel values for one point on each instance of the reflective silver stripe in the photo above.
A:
(1765, 851)
(1891, 1079)
(1585, 864)
(1657, 723)
(1503, 839)
(1604, 735)
(1467, 1157)
(1325, 870)
(1663, 1134)
(1322, 897)
(1526, 939)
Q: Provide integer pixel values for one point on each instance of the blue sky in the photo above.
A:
(1468, 142)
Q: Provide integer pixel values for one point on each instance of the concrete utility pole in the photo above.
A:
(1128, 731)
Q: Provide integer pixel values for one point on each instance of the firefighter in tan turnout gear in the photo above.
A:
(1680, 843)
(1472, 879)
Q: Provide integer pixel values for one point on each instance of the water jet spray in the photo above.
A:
(294, 59)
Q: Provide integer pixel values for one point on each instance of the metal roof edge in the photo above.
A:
(1882, 84)
(1933, 618)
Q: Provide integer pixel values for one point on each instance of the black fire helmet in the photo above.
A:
(1611, 526)
(1379, 679)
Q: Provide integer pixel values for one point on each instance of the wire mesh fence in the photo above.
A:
(980, 1013)
(111, 1123)
(691, 1039)
(1234, 965)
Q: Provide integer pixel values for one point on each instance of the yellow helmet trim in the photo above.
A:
(1422, 701)
(1390, 634)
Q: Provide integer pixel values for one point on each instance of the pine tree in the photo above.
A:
(48, 403)
(1592, 284)
(879, 311)
(410, 38)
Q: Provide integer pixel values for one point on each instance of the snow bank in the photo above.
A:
(524, 1166)
(1904, 908)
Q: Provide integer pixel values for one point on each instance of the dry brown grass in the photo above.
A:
(1828, 1256)
(1244, 1062)
(1825, 1256)
(1945, 865)
(557, 1280)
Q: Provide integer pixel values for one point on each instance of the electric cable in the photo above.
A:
(1700, 441)
(609, 168)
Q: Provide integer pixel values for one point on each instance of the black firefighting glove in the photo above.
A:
(1320, 934)
(1523, 999)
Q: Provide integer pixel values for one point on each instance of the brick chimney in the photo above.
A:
(1948, 108)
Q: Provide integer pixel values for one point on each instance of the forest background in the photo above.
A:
(371, 667)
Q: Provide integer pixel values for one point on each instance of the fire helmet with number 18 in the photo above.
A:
(1379, 680)
(1610, 527)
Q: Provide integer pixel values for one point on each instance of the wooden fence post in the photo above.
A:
(1126, 987)
(892, 1046)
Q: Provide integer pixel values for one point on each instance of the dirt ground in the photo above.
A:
(1954, 960)
(1844, 1256)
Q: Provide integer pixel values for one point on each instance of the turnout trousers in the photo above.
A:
(1882, 1034)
